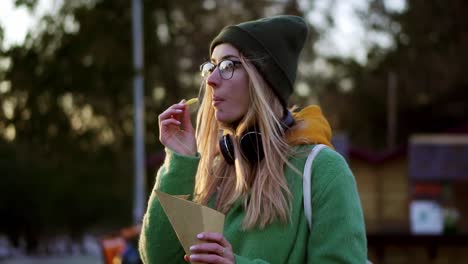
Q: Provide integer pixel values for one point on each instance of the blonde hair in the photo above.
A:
(262, 186)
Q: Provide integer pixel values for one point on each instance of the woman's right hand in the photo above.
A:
(176, 131)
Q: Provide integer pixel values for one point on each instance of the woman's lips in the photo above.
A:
(217, 101)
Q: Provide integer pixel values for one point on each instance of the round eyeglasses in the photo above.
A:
(226, 68)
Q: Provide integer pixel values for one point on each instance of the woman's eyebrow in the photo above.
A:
(225, 57)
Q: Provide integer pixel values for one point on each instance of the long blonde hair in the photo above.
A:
(262, 186)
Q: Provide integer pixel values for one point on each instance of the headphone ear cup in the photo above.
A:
(252, 146)
(227, 149)
(250, 143)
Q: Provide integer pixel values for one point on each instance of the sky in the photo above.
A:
(17, 21)
(347, 39)
(13, 20)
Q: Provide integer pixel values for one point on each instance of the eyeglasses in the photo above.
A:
(226, 68)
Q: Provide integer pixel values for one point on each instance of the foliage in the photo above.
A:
(427, 58)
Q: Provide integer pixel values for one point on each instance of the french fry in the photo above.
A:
(192, 101)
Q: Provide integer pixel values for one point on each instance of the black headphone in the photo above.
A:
(250, 142)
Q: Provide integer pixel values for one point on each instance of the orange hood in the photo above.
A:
(311, 128)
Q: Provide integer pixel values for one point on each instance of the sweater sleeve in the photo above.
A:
(158, 242)
(338, 231)
(244, 260)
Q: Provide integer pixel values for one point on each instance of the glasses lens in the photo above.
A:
(226, 68)
(206, 69)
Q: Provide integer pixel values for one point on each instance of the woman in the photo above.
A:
(247, 157)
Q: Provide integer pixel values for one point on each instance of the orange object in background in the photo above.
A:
(113, 248)
(114, 245)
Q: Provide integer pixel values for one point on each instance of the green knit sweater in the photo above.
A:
(337, 235)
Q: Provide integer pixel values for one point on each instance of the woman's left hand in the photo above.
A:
(213, 249)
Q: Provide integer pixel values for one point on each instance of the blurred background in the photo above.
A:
(388, 74)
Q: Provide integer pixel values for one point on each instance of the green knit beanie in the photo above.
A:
(273, 45)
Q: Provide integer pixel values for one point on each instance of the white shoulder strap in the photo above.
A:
(306, 182)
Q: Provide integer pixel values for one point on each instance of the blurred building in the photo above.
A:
(413, 198)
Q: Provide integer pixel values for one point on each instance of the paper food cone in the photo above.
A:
(189, 219)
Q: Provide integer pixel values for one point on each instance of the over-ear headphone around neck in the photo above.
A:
(250, 142)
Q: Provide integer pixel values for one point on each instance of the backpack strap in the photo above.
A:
(306, 182)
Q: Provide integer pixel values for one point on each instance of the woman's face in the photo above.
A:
(230, 98)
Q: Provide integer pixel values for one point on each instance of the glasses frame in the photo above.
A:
(220, 70)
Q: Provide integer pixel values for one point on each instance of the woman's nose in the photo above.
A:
(213, 79)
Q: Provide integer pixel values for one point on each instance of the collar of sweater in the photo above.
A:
(311, 128)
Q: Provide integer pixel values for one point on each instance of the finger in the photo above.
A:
(214, 237)
(173, 109)
(208, 258)
(186, 121)
(213, 248)
(171, 121)
(171, 112)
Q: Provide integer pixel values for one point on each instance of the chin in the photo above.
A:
(224, 120)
